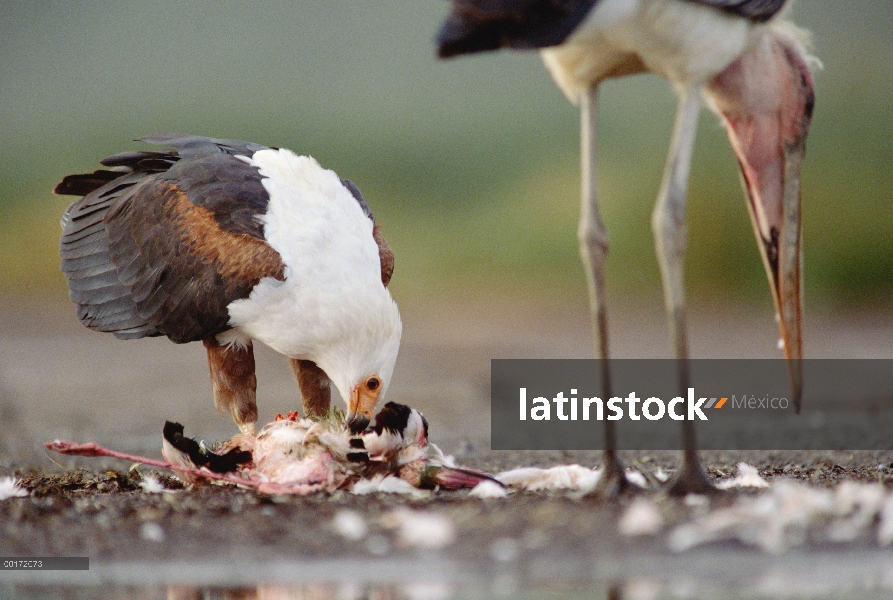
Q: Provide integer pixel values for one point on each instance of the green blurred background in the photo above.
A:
(470, 165)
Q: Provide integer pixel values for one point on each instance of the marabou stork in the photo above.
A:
(748, 64)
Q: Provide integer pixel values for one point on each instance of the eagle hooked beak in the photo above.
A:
(361, 404)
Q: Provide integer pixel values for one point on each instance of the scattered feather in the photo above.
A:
(858, 505)
(488, 489)
(421, 529)
(350, 525)
(790, 514)
(641, 518)
(387, 484)
(748, 476)
(447, 460)
(636, 478)
(152, 532)
(563, 477)
(152, 485)
(10, 488)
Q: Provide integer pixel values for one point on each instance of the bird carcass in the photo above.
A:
(292, 455)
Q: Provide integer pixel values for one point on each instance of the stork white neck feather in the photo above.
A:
(685, 42)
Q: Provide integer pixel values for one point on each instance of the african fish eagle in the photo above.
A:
(229, 242)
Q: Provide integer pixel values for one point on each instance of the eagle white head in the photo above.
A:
(361, 361)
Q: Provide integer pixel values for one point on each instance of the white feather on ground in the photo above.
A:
(10, 488)
(420, 529)
(487, 490)
(562, 477)
(151, 485)
(748, 476)
(636, 478)
(387, 484)
(350, 524)
(572, 478)
(643, 517)
(789, 514)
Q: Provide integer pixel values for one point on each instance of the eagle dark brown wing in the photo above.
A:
(164, 249)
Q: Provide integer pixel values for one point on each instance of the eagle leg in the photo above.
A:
(316, 389)
(233, 382)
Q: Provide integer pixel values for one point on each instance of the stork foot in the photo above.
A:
(691, 479)
(613, 482)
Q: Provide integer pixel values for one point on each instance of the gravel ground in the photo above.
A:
(107, 515)
(61, 381)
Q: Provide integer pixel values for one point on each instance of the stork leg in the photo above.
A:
(233, 382)
(316, 389)
(593, 250)
(670, 237)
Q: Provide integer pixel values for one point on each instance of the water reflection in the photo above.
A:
(633, 589)
(408, 591)
(318, 591)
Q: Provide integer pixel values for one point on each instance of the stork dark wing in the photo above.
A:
(479, 25)
(755, 10)
(164, 249)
